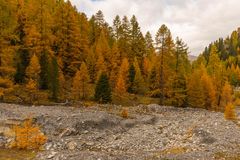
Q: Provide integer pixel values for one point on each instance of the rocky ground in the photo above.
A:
(151, 132)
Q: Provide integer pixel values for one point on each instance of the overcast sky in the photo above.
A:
(197, 22)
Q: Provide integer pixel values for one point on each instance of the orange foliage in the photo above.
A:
(120, 86)
(230, 113)
(124, 113)
(209, 91)
(28, 136)
(226, 95)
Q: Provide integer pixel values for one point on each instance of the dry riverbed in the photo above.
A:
(151, 132)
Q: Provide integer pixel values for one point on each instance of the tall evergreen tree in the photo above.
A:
(138, 86)
(67, 33)
(131, 78)
(137, 41)
(103, 90)
(179, 89)
(117, 28)
(22, 52)
(55, 81)
(44, 74)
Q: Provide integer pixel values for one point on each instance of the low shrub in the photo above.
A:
(28, 136)
(230, 112)
(124, 113)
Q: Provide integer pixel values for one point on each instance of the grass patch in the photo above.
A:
(226, 156)
(174, 150)
(169, 151)
(6, 154)
(133, 100)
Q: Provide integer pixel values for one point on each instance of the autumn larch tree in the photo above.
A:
(164, 46)
(122, 79)
(226, 96)
(120, 88)
(195, 92)
(115, 63)
(230, 112)
(80, 87)
(33, 69)
(209, 90)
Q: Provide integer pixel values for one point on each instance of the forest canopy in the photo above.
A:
(50, 51)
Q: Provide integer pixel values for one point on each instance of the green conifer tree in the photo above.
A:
(55, 80)
(103, 90)
(131, 78)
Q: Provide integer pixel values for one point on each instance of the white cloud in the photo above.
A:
(197, 22)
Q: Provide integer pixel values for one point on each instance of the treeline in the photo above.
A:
(48, 50)
(218, 69)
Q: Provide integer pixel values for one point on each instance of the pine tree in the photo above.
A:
(138, 83)
(22, 52)
(153, 82)
(44, 74)
(233, 43)
(99, 19)
(103, 90)
(93, 31)
(117, 29)
(149, 45)
(137, 41)
(123, 42)
(131, 78)
(67, 33)
(182, 66)
(179, 90)
(55, 84)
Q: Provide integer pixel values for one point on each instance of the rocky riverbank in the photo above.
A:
(150, 132)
